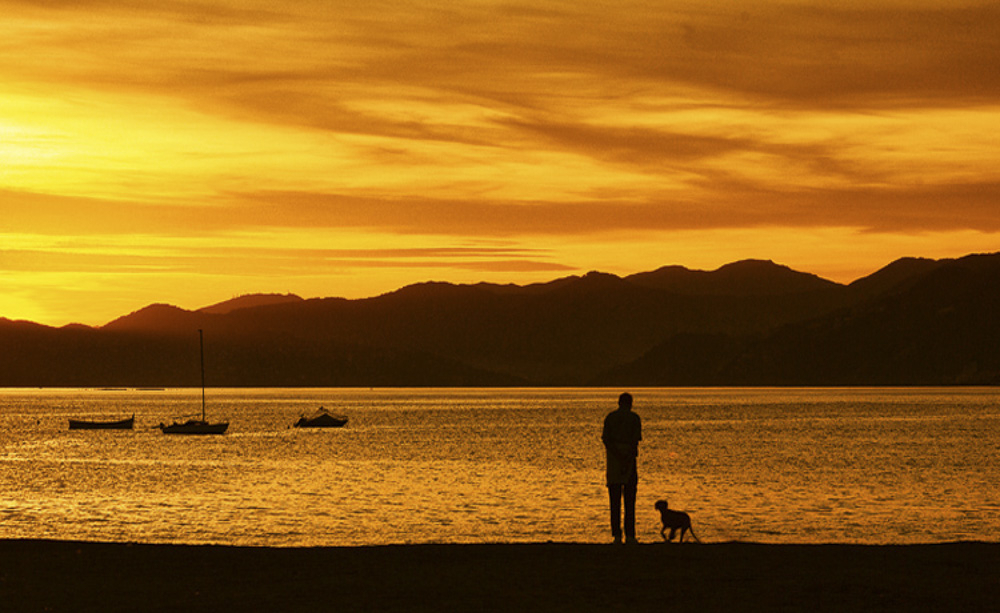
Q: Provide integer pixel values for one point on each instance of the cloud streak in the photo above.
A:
(727, 204)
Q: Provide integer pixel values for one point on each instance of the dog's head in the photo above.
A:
(661, 505)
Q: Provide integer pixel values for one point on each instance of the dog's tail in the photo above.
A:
(695, 536)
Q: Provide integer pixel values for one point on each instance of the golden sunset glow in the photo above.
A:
(194, 151)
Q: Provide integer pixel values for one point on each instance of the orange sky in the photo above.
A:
(188, 152)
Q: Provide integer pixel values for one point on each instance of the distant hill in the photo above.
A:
(249, 301)
(896, 276)
(916, 322)
(165, 317)
(748, 323)
(157, 317)
(746, 278)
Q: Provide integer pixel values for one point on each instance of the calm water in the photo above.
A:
(418, 466)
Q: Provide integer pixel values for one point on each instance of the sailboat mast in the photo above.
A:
(201, 347)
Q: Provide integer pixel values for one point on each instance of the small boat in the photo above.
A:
(195, 425)
(87, 424)
(322, 418)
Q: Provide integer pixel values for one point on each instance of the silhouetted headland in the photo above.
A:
(915, 322)
(92, 577)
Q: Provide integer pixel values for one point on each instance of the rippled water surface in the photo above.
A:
(475, 465)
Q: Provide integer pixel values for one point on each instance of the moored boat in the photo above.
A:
(322, 418)
(194, 425)
(88, 424)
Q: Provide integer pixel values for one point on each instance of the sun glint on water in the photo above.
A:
(516, 465)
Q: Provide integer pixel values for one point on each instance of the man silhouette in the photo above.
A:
(621, 435)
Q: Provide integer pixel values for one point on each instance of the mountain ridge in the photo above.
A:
(752, 322)
(147, 315)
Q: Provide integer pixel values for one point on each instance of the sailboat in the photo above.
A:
(195, 425)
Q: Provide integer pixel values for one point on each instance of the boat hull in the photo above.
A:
(84, 424)
(194, 426)
(321, 419)
(320, 423)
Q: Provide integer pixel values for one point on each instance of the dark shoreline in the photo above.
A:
(38, 575)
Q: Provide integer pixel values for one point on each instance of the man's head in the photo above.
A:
(625, 401)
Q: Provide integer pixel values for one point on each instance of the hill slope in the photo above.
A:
(748, 323)
(916, 322)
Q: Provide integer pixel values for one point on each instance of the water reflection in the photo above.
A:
(870, 466)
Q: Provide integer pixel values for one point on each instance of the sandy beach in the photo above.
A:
(79, 576)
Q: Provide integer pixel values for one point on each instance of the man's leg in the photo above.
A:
(630, 494)
(615, 498)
